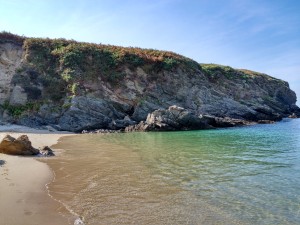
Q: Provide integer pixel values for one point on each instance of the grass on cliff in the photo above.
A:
(65, 65)
(7, 37)
(216, 71)
(76, 62)
(17, 110)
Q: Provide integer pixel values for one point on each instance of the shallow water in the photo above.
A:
(246, 175)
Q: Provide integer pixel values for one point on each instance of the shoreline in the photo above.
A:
(24, 196)
(28, 201)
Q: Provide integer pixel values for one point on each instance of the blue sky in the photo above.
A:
(260, 35)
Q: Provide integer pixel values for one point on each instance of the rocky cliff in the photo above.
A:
(80, 86)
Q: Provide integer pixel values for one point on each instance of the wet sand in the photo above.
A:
(104, 180)
(24, 198)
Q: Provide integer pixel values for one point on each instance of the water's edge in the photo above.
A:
(228, 176)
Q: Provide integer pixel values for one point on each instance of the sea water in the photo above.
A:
(242, 175)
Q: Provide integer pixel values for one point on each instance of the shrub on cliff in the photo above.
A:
(7, 37)
(74, 62)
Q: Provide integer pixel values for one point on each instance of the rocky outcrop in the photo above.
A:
(19, 146)
(89, 113)
(178, 118)
(174, 118)
(78, 86)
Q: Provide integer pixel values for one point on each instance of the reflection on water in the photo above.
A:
(241, 175)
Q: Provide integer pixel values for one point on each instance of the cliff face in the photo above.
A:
(10, 60)
(76, 86)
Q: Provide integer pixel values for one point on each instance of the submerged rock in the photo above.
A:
(100, 131)
(226, 121)
(46, 151)
(20, 146)
(266, 121)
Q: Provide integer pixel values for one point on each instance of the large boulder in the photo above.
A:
(20, 146)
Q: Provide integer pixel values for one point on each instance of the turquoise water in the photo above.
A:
(247, 175)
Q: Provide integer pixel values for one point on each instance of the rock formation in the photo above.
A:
(76, 86)
(174, 118)
(19, 146)
(178, 118)
(46, 151)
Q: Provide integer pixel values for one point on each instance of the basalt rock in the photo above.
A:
(20, 146)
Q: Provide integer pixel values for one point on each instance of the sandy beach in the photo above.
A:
(24, 199)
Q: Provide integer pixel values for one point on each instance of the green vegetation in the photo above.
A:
(74, 88)
(17, 110)
(169, 63)
(76, 61)
(67, 105)
(214, 71)
(64, 65)
(252, 74)
(7, 37)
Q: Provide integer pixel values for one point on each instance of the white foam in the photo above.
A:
(78, 222)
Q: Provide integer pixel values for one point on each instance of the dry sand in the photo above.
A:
(24, 199)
